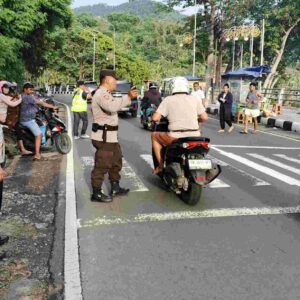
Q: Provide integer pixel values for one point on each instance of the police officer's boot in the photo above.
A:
(99, 196)
(116, 190)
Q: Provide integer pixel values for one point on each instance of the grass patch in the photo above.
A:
(16, 228)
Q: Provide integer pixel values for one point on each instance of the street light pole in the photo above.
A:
(251, 51)
(233, 55)
(114, 47)
(194, 45)
(94, 56)
(242, 54)
(262, 44)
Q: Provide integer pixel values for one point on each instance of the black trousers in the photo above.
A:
(225, 116)
(108, 159)
(77, 117)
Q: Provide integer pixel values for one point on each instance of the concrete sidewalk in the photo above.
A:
(289, 120)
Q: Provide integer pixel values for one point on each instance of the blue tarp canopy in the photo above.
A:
(249, 72)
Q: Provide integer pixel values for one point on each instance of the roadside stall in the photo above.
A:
(239, 81)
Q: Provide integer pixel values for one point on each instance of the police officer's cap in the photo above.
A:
(107, 72)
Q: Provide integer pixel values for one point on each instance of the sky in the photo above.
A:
(77, 3)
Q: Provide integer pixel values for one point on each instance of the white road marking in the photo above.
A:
(275, 163)
(256, 181)
(148, 159)
(256, 147)
(264, 132)
(297, 161)
(128, 172)
(87, 161)
(73, 290)
(268, 171)
(190, 215)
(216, 184)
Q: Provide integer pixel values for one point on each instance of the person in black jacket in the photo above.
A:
(152, 96)
(225, 98)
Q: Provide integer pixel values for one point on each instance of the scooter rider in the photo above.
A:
(182, 111)
(152, 96)
(108, 157)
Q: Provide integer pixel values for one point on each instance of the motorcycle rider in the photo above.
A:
(152, 96)
(29, 108)
(7, 100)
(183, 112)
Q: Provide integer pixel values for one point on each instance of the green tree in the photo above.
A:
(27, 25)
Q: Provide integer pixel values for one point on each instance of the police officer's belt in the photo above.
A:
(186, 130)
(104, 128)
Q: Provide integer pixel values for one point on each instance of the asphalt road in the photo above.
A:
(240, 242)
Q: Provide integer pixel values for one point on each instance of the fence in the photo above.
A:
(287, 97)
(61, 89)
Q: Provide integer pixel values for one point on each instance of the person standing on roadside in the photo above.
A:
(225, 98)
(79, 109)
(252, 107)
(198, 93)
(108, 156)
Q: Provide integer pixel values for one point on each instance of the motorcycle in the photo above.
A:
(146, 116)
(187, 169)
(53, 129)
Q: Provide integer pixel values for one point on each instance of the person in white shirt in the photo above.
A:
(198, 93)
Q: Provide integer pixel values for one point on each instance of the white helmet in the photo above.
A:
(179, 85)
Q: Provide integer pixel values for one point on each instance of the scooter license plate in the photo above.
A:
(200, 164)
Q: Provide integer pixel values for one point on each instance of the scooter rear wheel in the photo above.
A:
(192, 195)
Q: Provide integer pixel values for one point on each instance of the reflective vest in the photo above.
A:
(78, 103)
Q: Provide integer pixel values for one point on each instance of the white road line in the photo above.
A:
(73, 290)
(190, 215)
(148, 159)
(297, 161)
(128, 172)
(256, 181)
(87, 161)
(268, 171)
(275, 163)
(256, 147)
(216, 184)
(264, 132)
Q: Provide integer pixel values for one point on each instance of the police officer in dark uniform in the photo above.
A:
(108, 156)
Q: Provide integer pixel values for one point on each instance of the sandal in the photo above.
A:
(243, 132)
(39, 159)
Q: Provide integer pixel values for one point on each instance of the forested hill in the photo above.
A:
(141, 8)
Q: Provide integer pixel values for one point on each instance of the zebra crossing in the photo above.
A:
(274, 166)
(265, 165)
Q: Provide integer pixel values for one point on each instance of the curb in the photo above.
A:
(268, 122)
